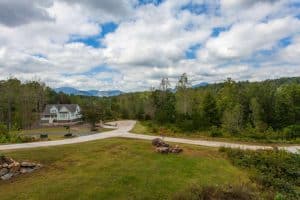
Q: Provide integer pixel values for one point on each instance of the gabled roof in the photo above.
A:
(70, 107)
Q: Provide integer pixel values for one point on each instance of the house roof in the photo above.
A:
(70, 107)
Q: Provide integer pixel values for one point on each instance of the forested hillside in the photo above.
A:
(255, 108)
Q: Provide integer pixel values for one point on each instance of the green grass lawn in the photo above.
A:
(116, 169)
(144, 127)
(57, 133)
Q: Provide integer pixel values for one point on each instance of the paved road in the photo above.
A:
(123, 131)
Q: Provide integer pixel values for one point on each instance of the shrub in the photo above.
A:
(292, 132)
(215, 132)
(3, 129)
(227, 192)
(186, 125)
(276, 171)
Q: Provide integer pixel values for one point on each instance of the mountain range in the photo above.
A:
(74, 91)
(99, 93)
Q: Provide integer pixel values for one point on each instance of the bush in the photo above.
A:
(276, 171)
(228, 192)
(215, 132)
(292, 132)
(6, 137)
(185, 125)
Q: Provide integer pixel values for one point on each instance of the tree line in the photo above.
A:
(255, 108)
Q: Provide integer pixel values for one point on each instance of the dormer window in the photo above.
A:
(53, 110)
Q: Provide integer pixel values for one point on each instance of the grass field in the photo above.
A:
(116, 169)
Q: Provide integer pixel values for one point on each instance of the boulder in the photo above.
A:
(162, 147)
(3, 171)
(28, 164)
(163, 150)
(24, 170)
(159, 143)
(176, 149)
(10, 168)
(15, 168)
(7, 176)
(6, 160)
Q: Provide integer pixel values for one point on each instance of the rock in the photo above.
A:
(28, 164)
(38, 166)
(163, 150)
(159, 143)
(15, 168)
(7, 176)
(176, 149)
(10, 168)
(24, 170)
(3, 171)
(6, 160)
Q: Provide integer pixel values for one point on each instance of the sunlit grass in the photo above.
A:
(116, 169)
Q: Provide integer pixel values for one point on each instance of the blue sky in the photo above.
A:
(95, 40)
(131, 45)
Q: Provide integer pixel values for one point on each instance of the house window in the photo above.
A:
(53, 110)
(63, 115)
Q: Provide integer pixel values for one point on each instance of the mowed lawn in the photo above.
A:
(57, 133)
(116, 169)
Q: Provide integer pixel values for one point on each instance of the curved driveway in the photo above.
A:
(123, 131)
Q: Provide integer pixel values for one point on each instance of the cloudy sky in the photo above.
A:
(131, 44)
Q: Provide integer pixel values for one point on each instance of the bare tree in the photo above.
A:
(165, 84)
(182, 94)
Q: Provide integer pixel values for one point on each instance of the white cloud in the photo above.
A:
(150, 42)
(243, 39)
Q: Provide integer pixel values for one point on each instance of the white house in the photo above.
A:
(61, 113)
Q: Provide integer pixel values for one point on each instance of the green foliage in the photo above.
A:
(226, 192)
(164, 105)
(292, 131)
(265, 110)
(92, 113)
(215, 132)
(232, 120)
(6, 137)
(3, 129)
(210, 112)
(276, 171)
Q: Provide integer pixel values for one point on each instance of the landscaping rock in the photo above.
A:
(3, 171)
(7, 176)
(10, 168)
(164, 150)
(162, 147)
(27, 164)
(159, 143)
(176, 149)
(5, 165)
(24, 170)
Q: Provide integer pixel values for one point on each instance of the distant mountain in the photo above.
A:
(98, 93)
(202, 84)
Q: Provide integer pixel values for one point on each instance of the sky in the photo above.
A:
(131, 44)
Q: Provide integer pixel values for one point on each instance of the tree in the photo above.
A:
(183, 96)
(257, 114)
(92, 113)
(164, 84)
(232, 120)
(164, 104)
(210, 111)
(285, 111)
